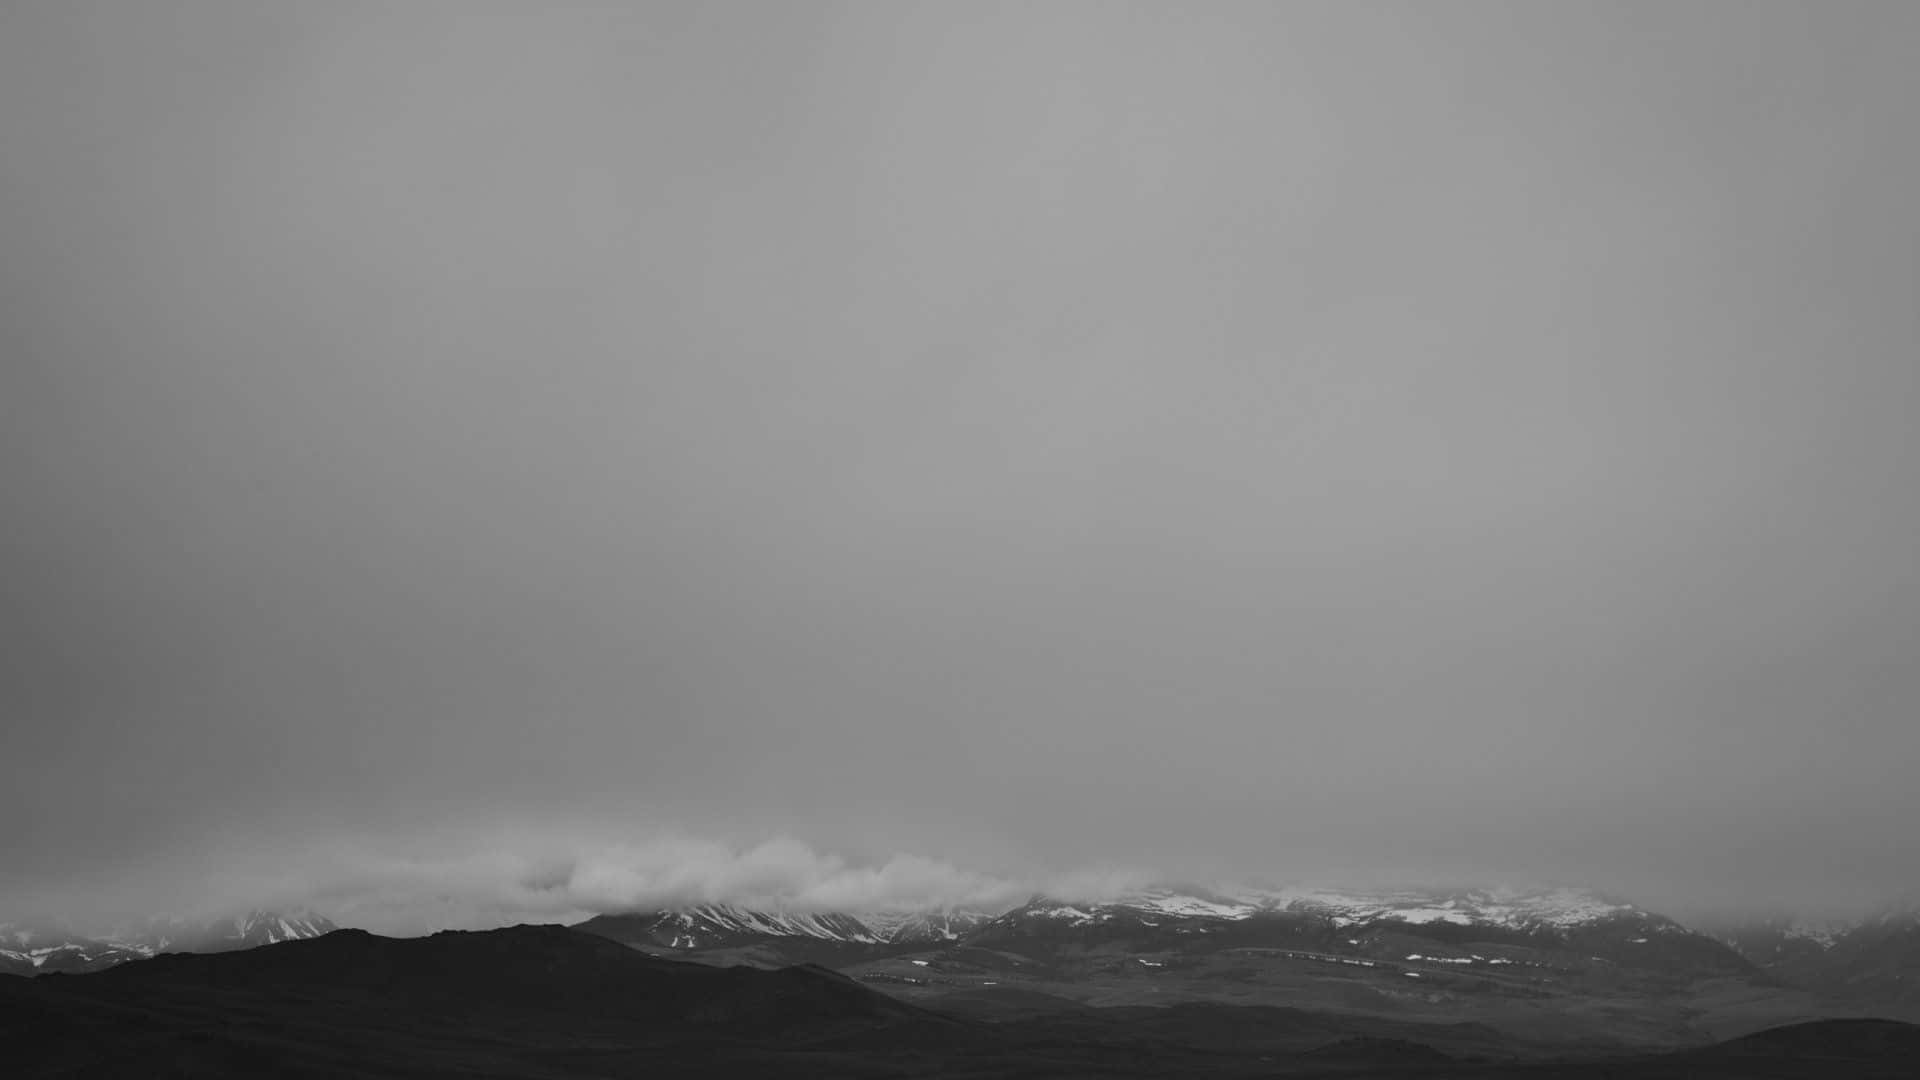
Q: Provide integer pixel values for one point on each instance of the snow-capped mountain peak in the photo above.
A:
(704, 926)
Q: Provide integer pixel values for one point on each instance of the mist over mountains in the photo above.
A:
(478, 882)
(1871, 960)
(1377, 532)
(1161, 980)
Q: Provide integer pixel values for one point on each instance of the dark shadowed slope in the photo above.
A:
(542, 1001)
(1834, 1040)
(533, 969)
(524, 1001)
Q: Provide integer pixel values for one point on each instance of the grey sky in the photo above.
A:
(1314, 439)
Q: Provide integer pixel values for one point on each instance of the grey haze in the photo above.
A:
(460, 454)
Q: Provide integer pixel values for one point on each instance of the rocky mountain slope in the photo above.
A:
(796, 935)
(1871, 959)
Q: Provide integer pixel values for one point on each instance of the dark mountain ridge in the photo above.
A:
(545, 1001)
(1875, 959)
(548, 969)
(520, 1001)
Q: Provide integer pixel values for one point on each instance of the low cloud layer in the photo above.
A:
(477, 882)
(466, 879)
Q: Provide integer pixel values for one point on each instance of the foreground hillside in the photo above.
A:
(549, 1002)
(524, 1001)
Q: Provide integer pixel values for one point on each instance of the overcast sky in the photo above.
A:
(589, 450)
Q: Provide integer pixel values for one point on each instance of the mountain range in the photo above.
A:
(1588, 960)
(1874, 959)
(1172, 979)
(547, 1001)
(1200, 943)
(46, 948)
(1193, 916)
